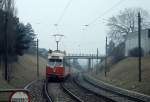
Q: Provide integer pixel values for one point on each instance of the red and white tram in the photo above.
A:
(55, 69)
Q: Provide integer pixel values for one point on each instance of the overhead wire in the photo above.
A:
(106, 12)
(64, 11)
(62, 15)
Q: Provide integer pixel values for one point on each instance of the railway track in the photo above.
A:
(71, 94)
(58, 94)
(45, 89)
(102, 90)
(35, 89)
(77, 89)
(83, 94)
(69, 91)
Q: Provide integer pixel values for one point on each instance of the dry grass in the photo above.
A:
(125, 74)
(23, 72)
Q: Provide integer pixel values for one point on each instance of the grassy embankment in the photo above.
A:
(125, 74)
(23, 72)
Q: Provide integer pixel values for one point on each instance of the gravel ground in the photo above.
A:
(36, 91)
(57, 93)
(85, 95)
(100, 91)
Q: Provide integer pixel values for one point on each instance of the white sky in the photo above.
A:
(43, 14)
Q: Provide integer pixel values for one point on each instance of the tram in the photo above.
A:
(56, 69)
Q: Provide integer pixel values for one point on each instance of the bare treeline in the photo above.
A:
(125, 22)
(122, 25)
(8, 5)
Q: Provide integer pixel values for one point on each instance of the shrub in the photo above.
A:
(118, 53)
(135, 52)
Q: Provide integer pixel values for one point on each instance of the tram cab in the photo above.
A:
(55, 68)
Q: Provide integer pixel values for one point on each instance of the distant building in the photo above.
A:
(132, 42)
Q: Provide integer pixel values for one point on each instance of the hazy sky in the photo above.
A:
(43, 14)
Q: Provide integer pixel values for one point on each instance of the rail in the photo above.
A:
(13, 90)
(28, 85)
(71, 94)
(25, 89)
(49, 99)
(93, 92)
(122, 92)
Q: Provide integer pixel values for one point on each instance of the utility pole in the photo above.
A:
(139, 43)
(37, 58)
(97, 60)
(92, 63)
(69, 65)
(106, 59)
(89, 64)
(6, 47)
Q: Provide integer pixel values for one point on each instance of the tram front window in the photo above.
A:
(55, 62)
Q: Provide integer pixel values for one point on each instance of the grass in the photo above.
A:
(23, 72)
(125, 74)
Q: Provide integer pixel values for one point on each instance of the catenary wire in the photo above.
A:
(64, 11)
(106, 12)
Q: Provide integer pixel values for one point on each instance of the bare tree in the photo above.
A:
(126, 22)
(2, 3)
(7, 32)
(8, 6)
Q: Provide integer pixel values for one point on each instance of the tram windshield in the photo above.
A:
(55, 62)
